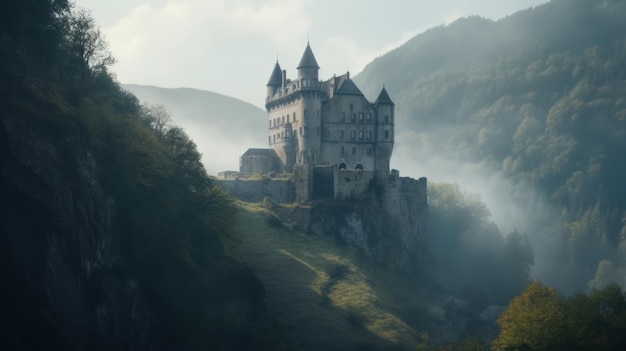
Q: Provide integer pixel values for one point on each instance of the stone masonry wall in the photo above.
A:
(280, 190)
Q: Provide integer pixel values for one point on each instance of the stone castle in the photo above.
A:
(324, 133)
(327, 122)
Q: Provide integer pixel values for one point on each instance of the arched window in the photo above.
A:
(359, 167)
(343, 166)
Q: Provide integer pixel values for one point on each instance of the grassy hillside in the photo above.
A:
(214, 121)
(329, 296)
(332, 297)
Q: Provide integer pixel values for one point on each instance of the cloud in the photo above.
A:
(198, 43)
(453, 15)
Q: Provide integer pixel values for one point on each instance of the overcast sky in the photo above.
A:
(230, 46)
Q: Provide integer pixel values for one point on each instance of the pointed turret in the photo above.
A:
(308, 67)
(276, 79)
(383, 98)
(308, 59)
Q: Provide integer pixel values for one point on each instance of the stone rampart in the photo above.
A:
(254, 190)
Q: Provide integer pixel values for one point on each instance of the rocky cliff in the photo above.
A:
(388, 222)
(58, 250)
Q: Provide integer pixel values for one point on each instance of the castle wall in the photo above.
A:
(257, 164)
(349, 132)
(353, 183)
(280, 190)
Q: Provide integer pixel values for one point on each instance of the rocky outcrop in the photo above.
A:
(388, 222)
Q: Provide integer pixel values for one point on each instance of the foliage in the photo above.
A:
(176, 230)
(539, 99)
(471, 258)
(542, 319)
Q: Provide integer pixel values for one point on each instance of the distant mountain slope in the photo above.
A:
(529, 110)
(223, 127)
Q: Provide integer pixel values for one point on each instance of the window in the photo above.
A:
(386, 118)
(361, 135)
(360, 116)
(353, 135)
(386, 134)
(353, 117)
(341, 134)
(368, 135)
(287, 118)
(294, 116)
(270, 124)
(354, 150)
(369, 151)
(343, 150)
(369, 117)
(283, 119)
(304, 130)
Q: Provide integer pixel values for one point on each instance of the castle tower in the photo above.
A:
(276, 80)
(310, 106)
(384, 130)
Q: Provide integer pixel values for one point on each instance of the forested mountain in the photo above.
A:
(213, 121)
(533, 106)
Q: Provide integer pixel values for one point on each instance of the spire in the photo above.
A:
(383, 98)
(276, 79)
(308, 59)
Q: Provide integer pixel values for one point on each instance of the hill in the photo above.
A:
(214, 121)
(528, 111)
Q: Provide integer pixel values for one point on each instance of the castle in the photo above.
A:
(325, 133)
(324, 122)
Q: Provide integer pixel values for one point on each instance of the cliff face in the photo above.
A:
(59, 253)
(388, 222)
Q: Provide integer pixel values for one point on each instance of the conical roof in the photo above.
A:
(383, 98)
(348, 88)
(276, 79)
(308, 59)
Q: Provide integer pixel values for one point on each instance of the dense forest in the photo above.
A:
(112, 235)
(533, 106)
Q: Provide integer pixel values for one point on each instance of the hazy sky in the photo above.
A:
(230, 46)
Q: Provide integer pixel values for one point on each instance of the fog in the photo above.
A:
(513, 206)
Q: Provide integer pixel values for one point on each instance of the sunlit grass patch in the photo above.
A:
(330, 295)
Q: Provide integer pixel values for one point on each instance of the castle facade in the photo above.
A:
(329, 122)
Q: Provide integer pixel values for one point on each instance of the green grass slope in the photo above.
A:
(330, 297)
